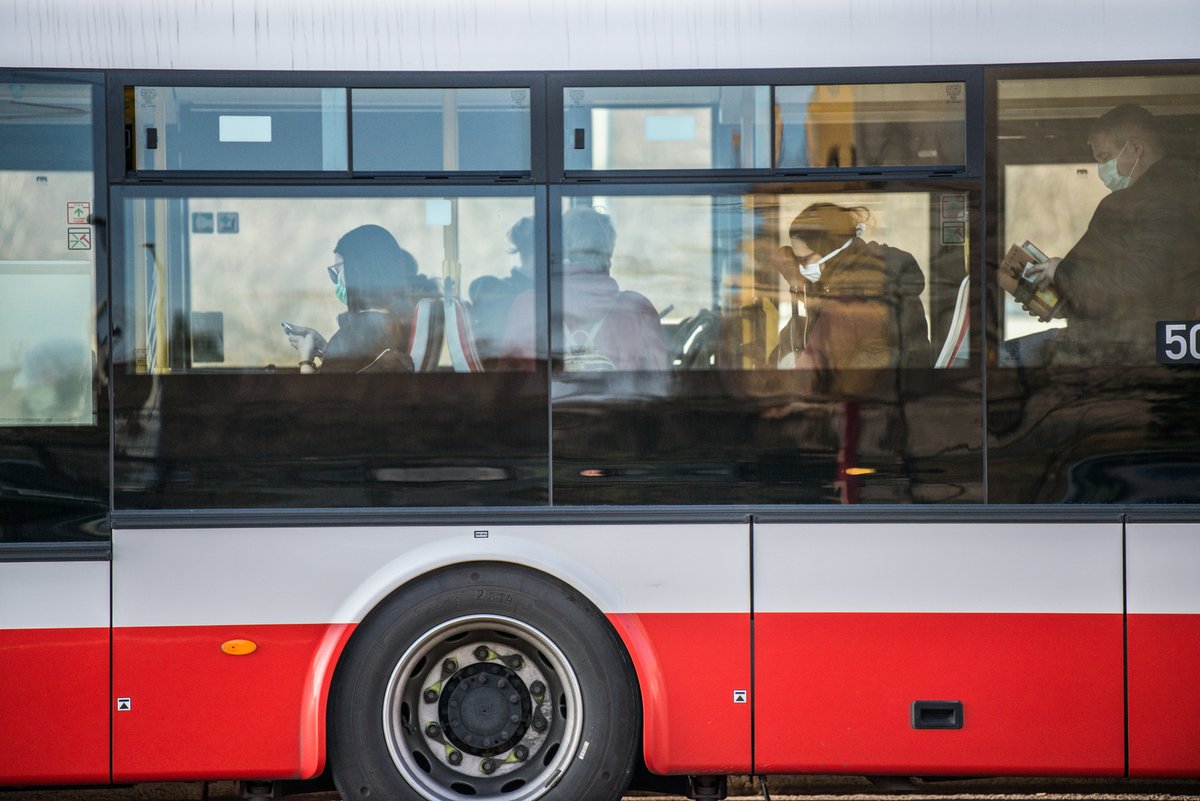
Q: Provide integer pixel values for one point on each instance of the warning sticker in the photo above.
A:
(79, 239)
(79, 212)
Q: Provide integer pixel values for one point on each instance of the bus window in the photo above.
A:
(871, 125)
(691, 360)
(47, 263)
(666, 128)
(231, 299)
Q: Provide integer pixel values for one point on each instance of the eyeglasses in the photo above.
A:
(335, 272)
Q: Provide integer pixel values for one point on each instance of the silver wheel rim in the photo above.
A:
(483, 706)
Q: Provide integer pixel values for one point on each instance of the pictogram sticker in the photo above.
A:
(124, 704)
(954, 207)
(954, 233)
(739, 696)
(79, 239)
(79, 212)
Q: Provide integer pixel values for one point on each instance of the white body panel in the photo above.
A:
(919, 567)
(54, 595)
(1164, 568)
(317, 575)
(559, 35)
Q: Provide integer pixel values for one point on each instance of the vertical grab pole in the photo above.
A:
(451, 265)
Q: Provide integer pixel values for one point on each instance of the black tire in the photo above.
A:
(484, 682)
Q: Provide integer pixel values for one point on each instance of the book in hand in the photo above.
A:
(1015, 277)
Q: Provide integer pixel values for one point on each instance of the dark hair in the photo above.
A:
(1128, 120)
(380, 274)
(521, 237)
(825, 227)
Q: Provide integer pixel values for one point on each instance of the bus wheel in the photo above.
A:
(480, 682)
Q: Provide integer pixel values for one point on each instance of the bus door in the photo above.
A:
(54, 485)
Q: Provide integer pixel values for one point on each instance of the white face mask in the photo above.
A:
(1112, 177)
(813, 271)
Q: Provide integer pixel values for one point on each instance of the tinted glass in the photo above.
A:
(436, 130)
(694, 361)
(227, 128)
(1099, 227)
(399, 304)
(666, 128)
(53, 473)
(871, 125)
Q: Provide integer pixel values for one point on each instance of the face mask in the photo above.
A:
(340, 290)
(813, 271)
(1111, 177)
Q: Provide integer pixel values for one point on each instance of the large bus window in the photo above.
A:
(194, 128)
(396, 304)
(1097, 236)
(871, 125)
(666, 127)
(723, 346)
(441, 130)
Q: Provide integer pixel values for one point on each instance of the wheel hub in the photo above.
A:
(485, 709)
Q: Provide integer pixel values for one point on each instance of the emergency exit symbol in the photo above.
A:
(124, 705)
(78, 212)
(739, 696)
(79, 239)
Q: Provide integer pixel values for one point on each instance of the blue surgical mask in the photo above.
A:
(1111, 177)
(340, 290)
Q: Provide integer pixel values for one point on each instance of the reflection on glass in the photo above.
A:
(666, 127)
(823, 283)
(239, 128)
(436, 130)
(47, 288)
(1100, 178)
(871, 125)
(345, 280)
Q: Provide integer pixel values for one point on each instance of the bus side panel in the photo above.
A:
(54, 672)
(1164, 649)
(1021, 624)
(196, 712)
(695, 681)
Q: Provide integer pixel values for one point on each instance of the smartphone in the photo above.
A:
(290, 329)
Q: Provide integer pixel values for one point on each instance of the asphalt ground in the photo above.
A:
(741, 788)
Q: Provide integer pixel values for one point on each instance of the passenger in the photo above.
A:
(604, 328)
(492, 297)
(861, 300)
(380, 285)
(1136, 263)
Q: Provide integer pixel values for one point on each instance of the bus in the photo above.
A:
(530, 401)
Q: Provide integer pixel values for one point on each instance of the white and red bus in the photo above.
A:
(510, 556)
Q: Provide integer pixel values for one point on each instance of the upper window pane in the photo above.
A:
(47, 267)
(871, 125)
(666, 128)
(1099, 177)
(441, 130)
(226, 128)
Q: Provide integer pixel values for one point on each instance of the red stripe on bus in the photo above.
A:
(54, 706)
(1164, 695)
(198, 713)
(689, 667)
(1042, 694)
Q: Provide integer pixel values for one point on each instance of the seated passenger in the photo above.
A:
(861, 300)
(379, 283)
(492, 297)
(603, 327)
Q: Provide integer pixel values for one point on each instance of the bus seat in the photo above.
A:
(460, 340)
(425, 338)
(954, 349)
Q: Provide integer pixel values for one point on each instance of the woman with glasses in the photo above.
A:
(380, 284)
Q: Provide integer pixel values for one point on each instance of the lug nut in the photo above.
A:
(539, 723)
(455, 757)
(537, 688)
(431, 695)
(449, 666)
(488, 766)
(433, 731)
(520, 753)
(516, 662)
(482, 652)
(501, 683)
(514, 699)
